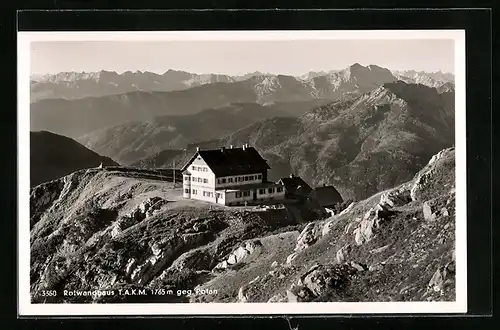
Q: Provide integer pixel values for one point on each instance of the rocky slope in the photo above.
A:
(115, 229)
(361, 146)
(53, 156)
(118, 228)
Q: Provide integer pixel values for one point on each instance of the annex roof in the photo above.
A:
(295, 185)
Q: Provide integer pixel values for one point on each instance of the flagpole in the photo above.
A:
(174, 173)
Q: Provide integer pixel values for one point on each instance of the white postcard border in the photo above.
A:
(26, 308)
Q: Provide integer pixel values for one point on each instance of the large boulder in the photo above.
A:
(328, 226)
(428, 212)
(372, 221)
(240, 254)
(396, 197)
(342, 253)
(322, 278)
(432, 211)
(195, 260)
(364, 232)
(299, 293)
(278, 298)
(307, 237)
(436, 178)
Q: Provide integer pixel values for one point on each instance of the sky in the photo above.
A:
(293, 57)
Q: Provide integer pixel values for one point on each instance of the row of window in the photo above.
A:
(195, 179)
(204, 193)
(240, 178)
(199, 168)
(270, 190)
(245, 194)
(261, 192)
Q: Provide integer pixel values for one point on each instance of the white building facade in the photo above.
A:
(233, 176)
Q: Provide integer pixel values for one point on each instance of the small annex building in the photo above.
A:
(295, 187)
(229, 176)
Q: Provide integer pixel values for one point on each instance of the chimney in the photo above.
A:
(223, 149)
(231, 146)
(291, 175)
(244, 146)
(197, 148)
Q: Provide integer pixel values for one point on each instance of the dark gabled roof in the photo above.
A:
(232, 161)
(295, 185)
(326, 196)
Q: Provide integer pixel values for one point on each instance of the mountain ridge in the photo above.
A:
(53, 156)
(76, 85)
(131, 141)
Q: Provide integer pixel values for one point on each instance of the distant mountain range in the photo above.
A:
(431, 79)
(362, 146)
(74, 85)
(53, 156)
(81, 116)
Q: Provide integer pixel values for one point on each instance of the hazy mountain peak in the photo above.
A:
(170, 71)
(359, 72)
(432, 79)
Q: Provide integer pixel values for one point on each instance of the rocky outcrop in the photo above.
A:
(197, 259)
(371, 222)
(42, 197)
(307, 237)
(347, 209)
(244, 291)
(328, 226)
(434, 176)
(278, 298)
(162, 253)
(250, 248)
(146, 209)
(395, 197)
(441, 277)
(299, 293)
(431, 212)
(342, 253)
(319, 280)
